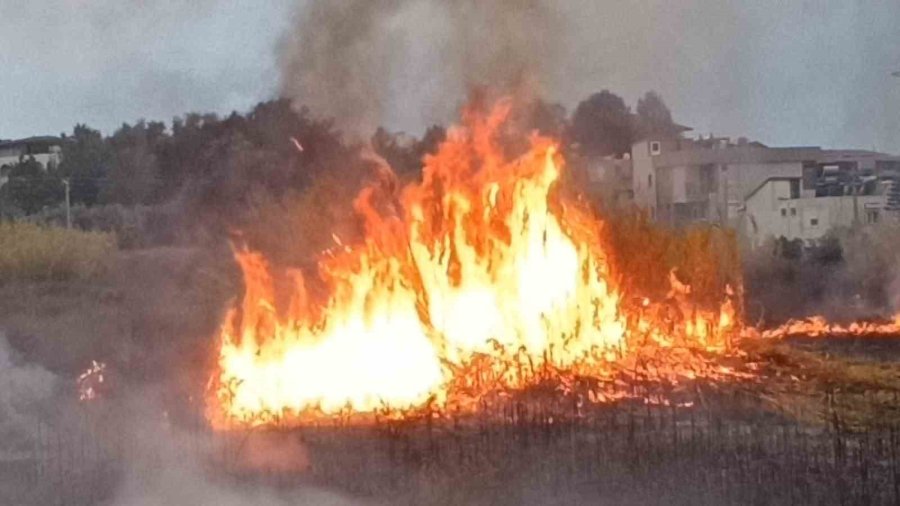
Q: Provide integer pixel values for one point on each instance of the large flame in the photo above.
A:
(477, 278)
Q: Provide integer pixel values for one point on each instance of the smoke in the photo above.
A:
(169, 468)
(24, 390)
(759, 69)
(364, 63)
(854, 274)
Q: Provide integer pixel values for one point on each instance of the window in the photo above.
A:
(814, 222)
(783, 212)
(795, 188)
(649, 180)
(872, 216)
(655, 148)
(793, 211)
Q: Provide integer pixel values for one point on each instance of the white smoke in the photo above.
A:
(24, 390)
(367, 63)
(166, 465)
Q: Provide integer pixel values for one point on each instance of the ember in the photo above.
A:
(90, 382)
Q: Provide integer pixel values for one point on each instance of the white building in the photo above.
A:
(609, 180)
(779, 208)
(681, 181)
(45, 150)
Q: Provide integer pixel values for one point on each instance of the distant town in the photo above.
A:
(798, 193)
(795, 193)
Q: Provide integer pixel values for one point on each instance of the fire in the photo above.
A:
(90, 381)
(482, 277)
(818, 326)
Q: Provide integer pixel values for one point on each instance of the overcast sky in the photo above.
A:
(802, 72)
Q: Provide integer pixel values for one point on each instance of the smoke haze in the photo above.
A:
(24, 388)
(801, 73)
(786, 73)
(411, 61)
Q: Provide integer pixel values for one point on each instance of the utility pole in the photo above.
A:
(68, 207)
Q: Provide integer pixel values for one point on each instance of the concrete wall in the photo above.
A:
(644, 179)
(771, 212)
(45, 159)
(12, 156)
(609, 180)
(743, 178)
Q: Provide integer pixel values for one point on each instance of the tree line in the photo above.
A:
(222, 163)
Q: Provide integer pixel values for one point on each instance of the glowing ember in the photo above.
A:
(818, 326)
(480, 278)
(90, 381)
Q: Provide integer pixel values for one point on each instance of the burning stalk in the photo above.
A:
(482, 270)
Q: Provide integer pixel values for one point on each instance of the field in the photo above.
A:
(837, 443)
(820, 425)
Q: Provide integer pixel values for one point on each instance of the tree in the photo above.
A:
(602, 125)
(653, 117)
(134, 174)
(86, 160)
(406, 154)
(546, 118)
(32, 188)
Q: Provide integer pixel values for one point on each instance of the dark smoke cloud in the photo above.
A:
(368, 62)
(801, 73)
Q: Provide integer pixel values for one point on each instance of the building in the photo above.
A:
(609, 180)
(681, 181)
(780, 207)
(46, 150)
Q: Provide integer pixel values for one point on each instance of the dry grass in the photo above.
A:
(705, 257)
(822, 387)
(30, 252)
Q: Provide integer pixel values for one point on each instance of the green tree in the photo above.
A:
(603, 125)
(653, 116)
(406, 154)
(86, 160)
(547, 118)
(134, 173)
(32, 187)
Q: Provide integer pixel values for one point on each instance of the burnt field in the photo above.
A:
(819, 427)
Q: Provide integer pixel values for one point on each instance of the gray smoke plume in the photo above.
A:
(23, 389)
(363, 62)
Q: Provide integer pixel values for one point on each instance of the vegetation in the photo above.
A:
(706, 258)
(34, 252)
(850, 274)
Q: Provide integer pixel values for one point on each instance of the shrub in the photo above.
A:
(34, 252)
(706, 257)
(132, 226)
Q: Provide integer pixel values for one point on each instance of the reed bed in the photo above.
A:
(31, 252)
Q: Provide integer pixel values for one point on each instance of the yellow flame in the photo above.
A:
(483, 261)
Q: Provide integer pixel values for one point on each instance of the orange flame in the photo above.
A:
(471, 280)
(818, 326)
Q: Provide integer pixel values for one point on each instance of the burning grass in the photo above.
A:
(482, 278)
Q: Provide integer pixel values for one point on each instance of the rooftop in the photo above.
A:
(748, 153)
(39, 139)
